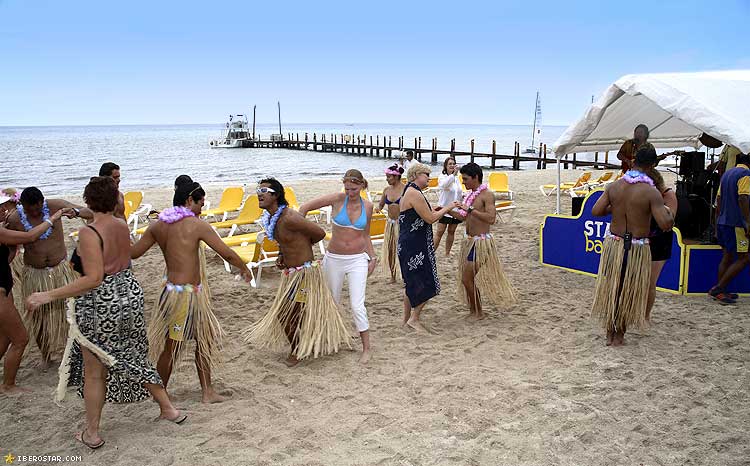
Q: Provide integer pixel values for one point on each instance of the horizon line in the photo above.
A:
(266, 123)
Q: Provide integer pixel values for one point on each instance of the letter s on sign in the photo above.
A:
(588, 228)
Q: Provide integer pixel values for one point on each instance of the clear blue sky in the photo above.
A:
(133, 62)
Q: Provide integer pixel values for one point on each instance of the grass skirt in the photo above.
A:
(47, 324)
(16, 269)
(630, 309)
(389, 256)
(109, 322)
(184, 313)
(303, 302)
(490, 281)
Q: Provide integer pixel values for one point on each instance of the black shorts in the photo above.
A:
(445, 220)
(661, 245)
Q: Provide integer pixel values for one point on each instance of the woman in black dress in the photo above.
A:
(416, 253)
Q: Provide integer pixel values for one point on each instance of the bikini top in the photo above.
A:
(75, 259)
(342, 218)
(387, 202)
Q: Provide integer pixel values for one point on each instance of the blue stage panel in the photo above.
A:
(702, 264)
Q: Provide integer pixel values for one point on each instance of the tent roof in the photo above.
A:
(677, 108)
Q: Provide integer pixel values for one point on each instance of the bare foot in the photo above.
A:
(210, 396)
(13, 390)
(291, 360)
(365, 358)
(416, 325)
(476, 317)
(618, 339)
(609, 337)
(91, 441)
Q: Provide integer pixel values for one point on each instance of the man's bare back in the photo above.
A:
(632, 206)
(179, 243)
(295, 236)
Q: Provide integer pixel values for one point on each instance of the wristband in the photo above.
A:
(51, 223)
(77, 211)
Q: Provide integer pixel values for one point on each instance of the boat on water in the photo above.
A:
(237, 134)
(536, 132)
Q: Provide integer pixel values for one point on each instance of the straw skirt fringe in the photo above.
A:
(631, 311)
(490, 280)
(318, 326)
(47, 324)
(389, 255)
(16, 268)
(184, 313)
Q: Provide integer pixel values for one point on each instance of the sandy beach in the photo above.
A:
(530, 385)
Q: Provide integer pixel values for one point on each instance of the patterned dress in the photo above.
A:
(417, 256)
(111, 317)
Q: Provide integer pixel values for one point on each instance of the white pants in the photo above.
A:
(353, 267)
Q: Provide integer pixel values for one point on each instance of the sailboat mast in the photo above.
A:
(536, 110)
(279, 105)
(253, 122)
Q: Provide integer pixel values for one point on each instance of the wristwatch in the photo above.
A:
(471, 208)
(77, 211)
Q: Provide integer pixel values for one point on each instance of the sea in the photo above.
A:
(59, 160)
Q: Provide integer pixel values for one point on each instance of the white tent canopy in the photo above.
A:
(676, 107)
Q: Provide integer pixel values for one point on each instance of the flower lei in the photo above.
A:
(25, 220)
(175, 214)
(470, 197)
(634, 176)
(269, 223)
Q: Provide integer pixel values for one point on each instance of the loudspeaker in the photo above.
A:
(577, 203)
(693, 215)
(692, 163)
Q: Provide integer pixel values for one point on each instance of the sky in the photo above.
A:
(403, 62)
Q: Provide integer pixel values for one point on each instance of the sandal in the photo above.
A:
(93, 446)
(178, 420)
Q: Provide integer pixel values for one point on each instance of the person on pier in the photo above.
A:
(184, 310)
(350, 254)
(45, 267)
(449, 186)
(13, 335)
(623, 281)
(480, 272)
(416, 251)
(391, 198)
(304, 313)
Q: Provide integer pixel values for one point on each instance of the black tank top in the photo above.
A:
(6, 276)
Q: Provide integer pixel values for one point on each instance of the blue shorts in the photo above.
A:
(732, 238)
(470, 257)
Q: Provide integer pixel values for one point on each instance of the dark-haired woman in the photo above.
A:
(13, 336)
(449, 184)
(391, 197)
(107, 334)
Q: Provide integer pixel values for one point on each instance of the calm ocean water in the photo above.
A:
(59, 160)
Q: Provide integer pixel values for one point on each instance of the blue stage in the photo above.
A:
(575, 244)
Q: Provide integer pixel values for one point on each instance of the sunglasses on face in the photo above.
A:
(264, 190)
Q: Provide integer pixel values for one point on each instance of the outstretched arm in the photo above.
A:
(209, 236)
(13, 237)
(419, 203)
(143, 244)
(83, 212)
(318, 202)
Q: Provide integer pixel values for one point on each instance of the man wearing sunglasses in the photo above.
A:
(184, 311)
(304, 309)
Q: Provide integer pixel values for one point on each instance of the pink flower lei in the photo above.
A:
(175, 214)
(635, 176)
(470, 197)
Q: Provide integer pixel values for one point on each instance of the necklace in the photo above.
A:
(269, 222)
(635, 176)
(469, 198)
(175, 214)
(25, 220)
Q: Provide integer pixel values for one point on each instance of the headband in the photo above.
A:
(353, 179)
(389, 171)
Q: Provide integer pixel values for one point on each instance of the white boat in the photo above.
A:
(237, 133)
(536, 132)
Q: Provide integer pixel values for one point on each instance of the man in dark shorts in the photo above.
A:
(732, 227)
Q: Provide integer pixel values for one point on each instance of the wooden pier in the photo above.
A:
(382, 146)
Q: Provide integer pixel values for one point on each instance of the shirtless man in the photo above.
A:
(303, 293)
(184, 311)
(480, 273)
(112, 170)
(45, 266)
(623, 282)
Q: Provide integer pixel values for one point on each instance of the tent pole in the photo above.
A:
(557, 210)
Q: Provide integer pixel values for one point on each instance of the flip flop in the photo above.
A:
(178, 420)
(93, 446)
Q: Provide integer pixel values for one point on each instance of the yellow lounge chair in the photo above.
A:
(377, 230)
(262, 253)
(231, 201)
(499, 184)
(250, 213)
(505, 206)
(549, 189)
(588, 187)
(291, 198)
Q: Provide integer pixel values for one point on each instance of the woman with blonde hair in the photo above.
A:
(350, 254)
(416, 253)
(391, 197)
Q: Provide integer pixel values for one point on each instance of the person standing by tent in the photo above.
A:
(622, 284)
(629, 148)
(732, 227)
